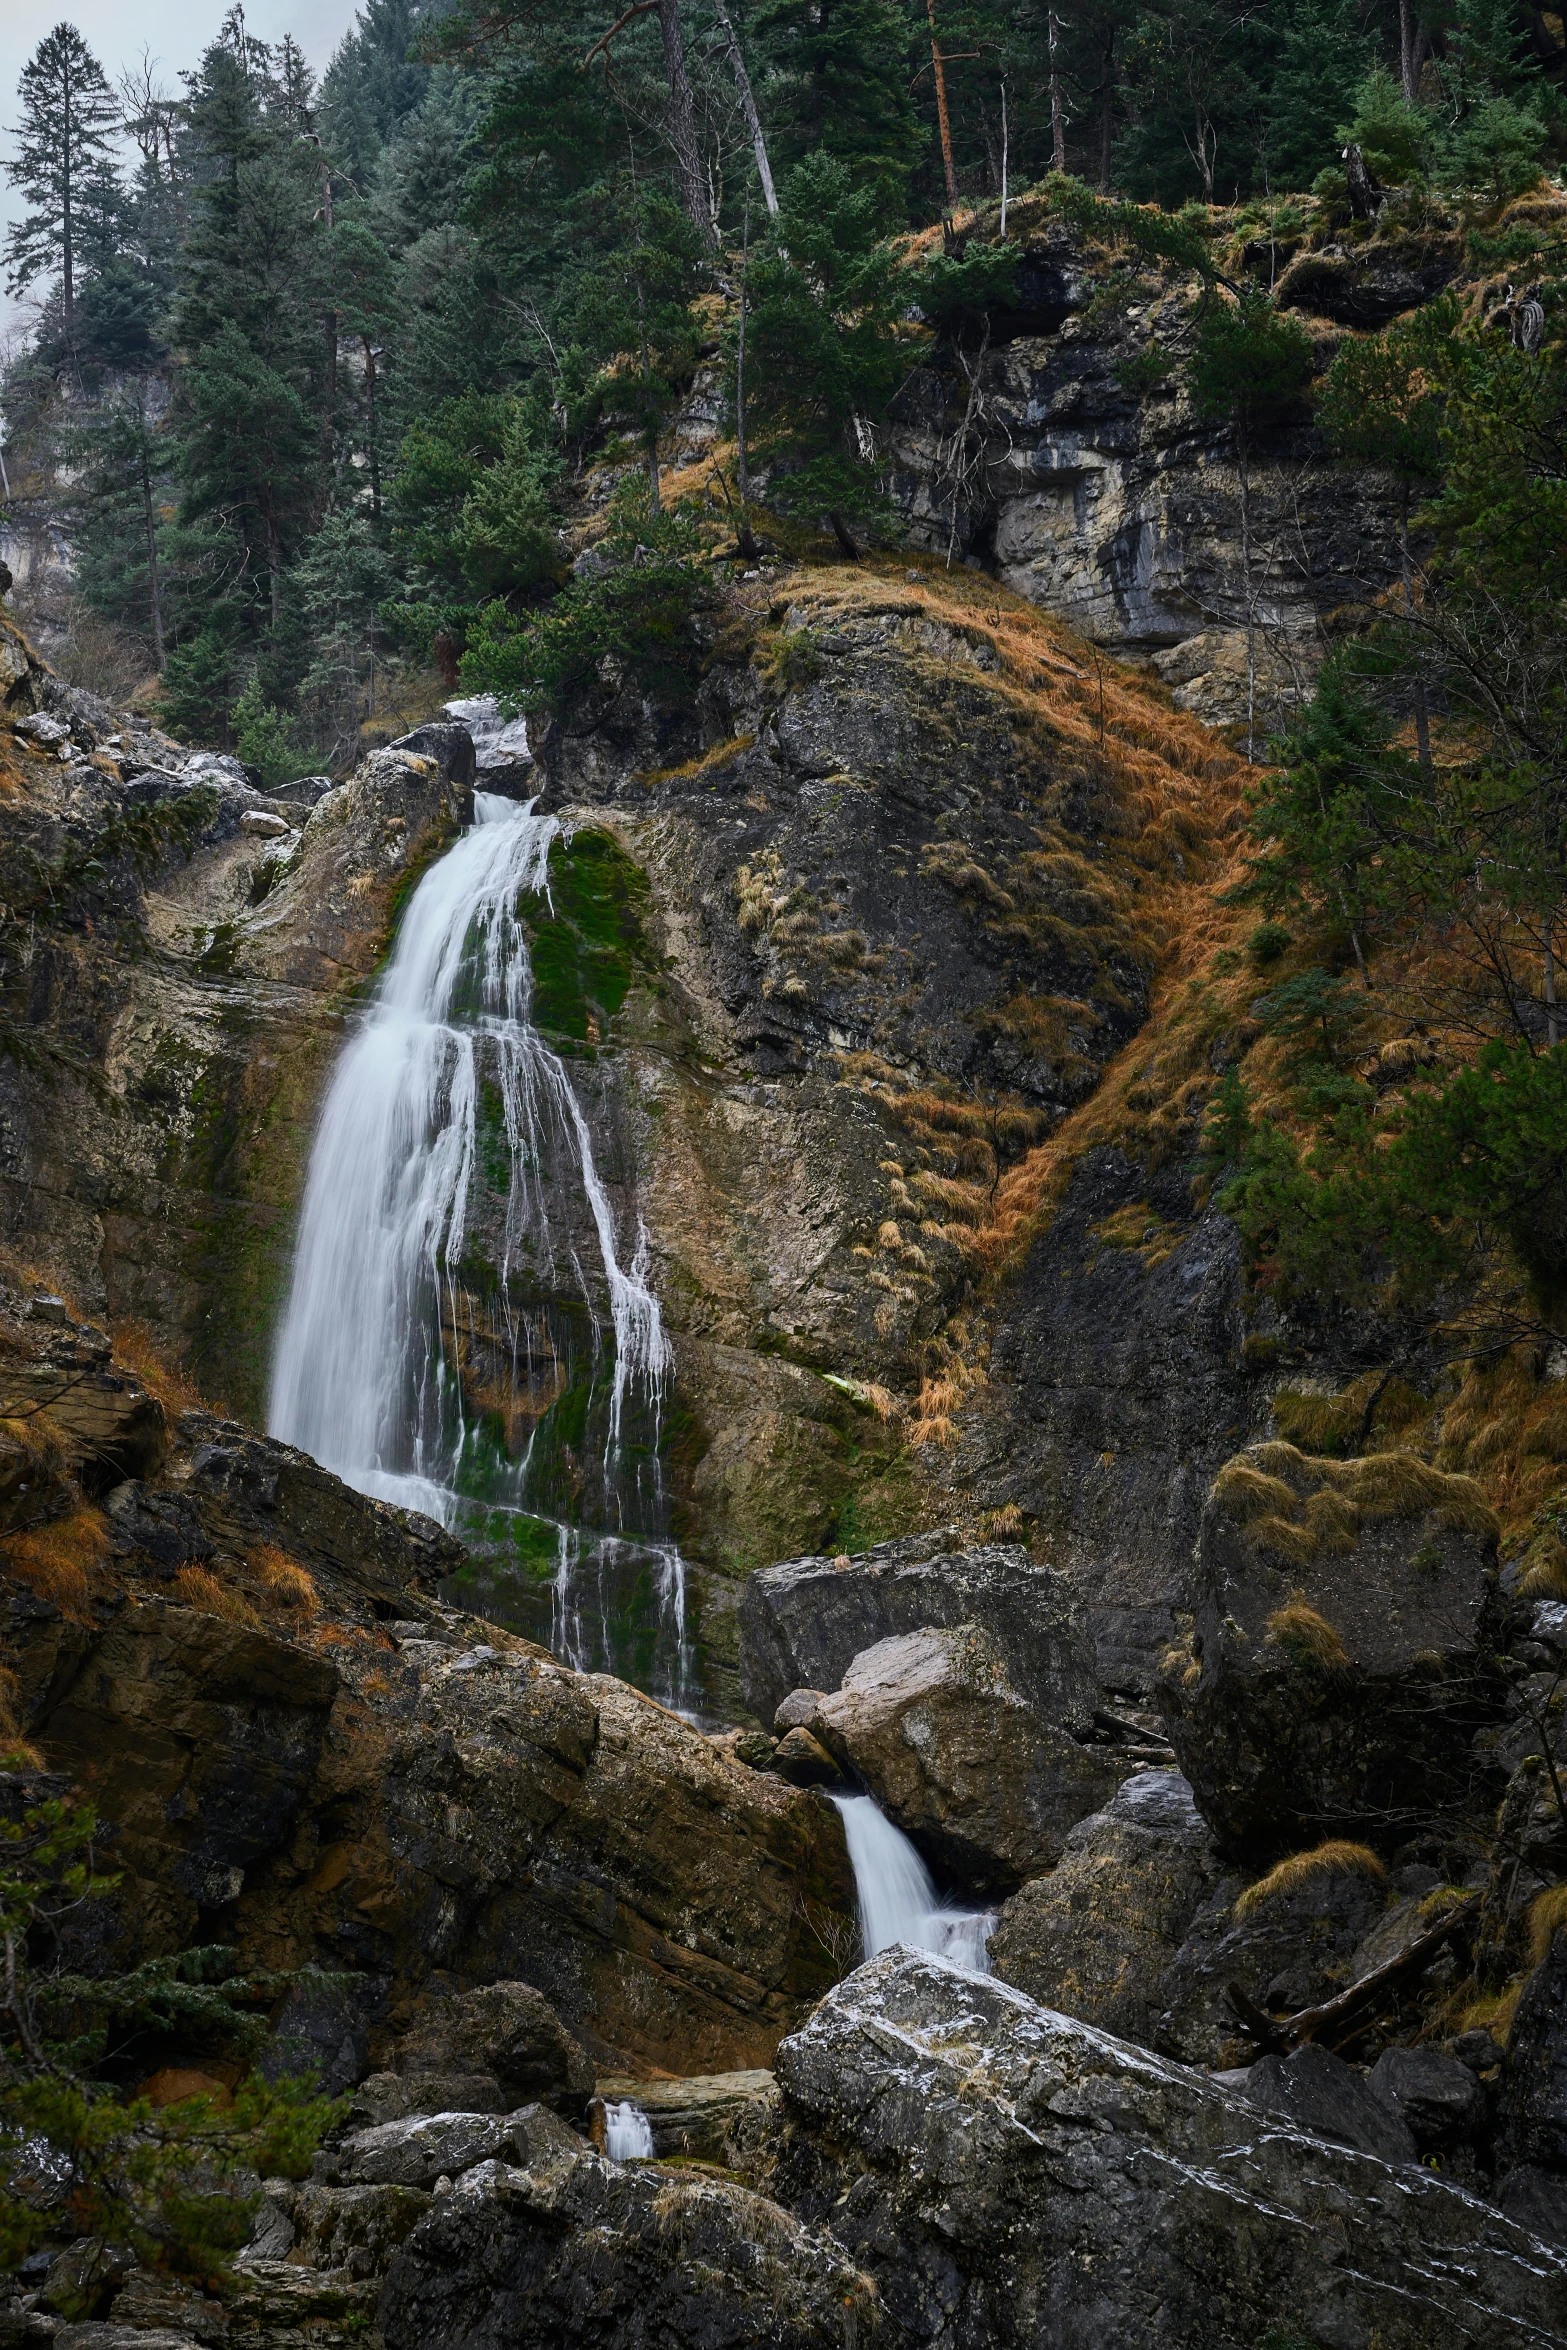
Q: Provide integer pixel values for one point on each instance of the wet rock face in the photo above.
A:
(803, 1622)
(1118, 1388)
(1533, 2113)
(1096, 1936)
(985, 1786)
(581, 2251)
(200, 1740)
(1005, 2175)
(1342, 1660)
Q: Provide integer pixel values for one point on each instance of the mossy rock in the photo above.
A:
(587, 938)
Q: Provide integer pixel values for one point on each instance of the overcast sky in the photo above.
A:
(176, 31)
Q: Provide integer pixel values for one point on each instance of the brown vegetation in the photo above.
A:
(63, 1562)
(1336, 1858)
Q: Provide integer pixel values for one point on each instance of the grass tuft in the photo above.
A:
(61, 1563)
(1307, 1639)
(201, 1590)
(1336, 1858)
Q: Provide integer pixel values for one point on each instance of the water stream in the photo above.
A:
(897, 1894)
(467, 1332)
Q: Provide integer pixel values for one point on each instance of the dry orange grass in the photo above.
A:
(62, 1562)
(200, 1589)
(1306, 1637)
(286, 1583)
(16, 1752)
(135, 1346)
(1547, 1914)
(1337, 1858)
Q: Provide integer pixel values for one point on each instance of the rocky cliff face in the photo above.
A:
(1066, 456)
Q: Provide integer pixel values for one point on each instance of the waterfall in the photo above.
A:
(897, 1896)
(410, 1336)
(628, 2134)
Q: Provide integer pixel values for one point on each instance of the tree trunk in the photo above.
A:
(154, 593)
(67, 224)
(1107, 117)
(743, 538)
(372, 451)
(1551, 1025)
(647, 388)
(1406, 50)
(1004, 162)
(753, 121)
(1251, 608)
(840, 531)
(682, 124)
(938, 66)
(1422, 715)
(1057, 117)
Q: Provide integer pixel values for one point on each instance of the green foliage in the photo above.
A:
(956, 291)
(1380, 403)
(1142, 371)
(1183, 240)
(1491, 1149)
(840, 89)
(1394, 137)
(1498, 149)
(1322, 54)
(626, 618)
(1267, 943)
(171, 2184)
(1250, 363)
(264, 738)
(197, 687)
(826, 295)
(1315, 1014)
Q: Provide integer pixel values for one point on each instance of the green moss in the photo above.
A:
(587, 941)
(884, 1506)
(510, 1540)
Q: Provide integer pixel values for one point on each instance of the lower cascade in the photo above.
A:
(409, 1336)
(897, 1896)
(628, 2134)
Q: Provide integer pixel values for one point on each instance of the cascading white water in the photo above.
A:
(897, 1896)
(366, 1376)
(628, 2134)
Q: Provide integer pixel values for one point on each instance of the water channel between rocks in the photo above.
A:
(467, 1333)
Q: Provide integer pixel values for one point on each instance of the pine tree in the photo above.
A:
(824, 299)
(64, 167)
(840, 86)
(120, 466)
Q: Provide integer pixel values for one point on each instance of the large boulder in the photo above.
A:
(200, 1740)
(985, 1786)
(803, 1622)
(494, 1818)
(1346, 1623)
(490, 2050)
(1096, 1936)
(1007, 2176)
(578, 2251)
(1319, 2092)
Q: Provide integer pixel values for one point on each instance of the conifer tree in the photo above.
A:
(64, 167)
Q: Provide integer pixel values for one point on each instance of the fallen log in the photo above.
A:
(1339, 2018)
